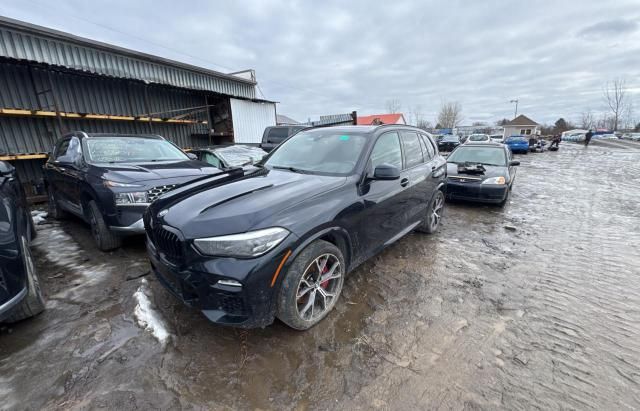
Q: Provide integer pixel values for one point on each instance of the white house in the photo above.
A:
(521, 126)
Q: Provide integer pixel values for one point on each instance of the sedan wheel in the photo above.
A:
(312, 285)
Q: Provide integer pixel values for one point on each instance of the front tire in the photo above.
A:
(105, 239)
(434, 214)
(33, 303)
(312, 285)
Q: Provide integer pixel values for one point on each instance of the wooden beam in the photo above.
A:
(43, 113)
(30, 156)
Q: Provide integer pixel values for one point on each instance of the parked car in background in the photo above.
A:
(230, 156)
(478, 138)
(20, 293)
(631, 136)
(108, 180)
(275, 135)
(448, 142)
(517, 144)
(482, 172)
(279, 241)
(496, 138)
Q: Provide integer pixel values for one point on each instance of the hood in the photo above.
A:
(132, 173)
(490, 171)
(241, 204)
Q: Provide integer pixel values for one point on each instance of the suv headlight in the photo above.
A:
(251, 244)
(137, 197)
(495, 180)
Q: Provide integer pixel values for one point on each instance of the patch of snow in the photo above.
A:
(149, 318)
(62, 250)
(39, 216)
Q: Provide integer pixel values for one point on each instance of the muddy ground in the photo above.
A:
(536, 305)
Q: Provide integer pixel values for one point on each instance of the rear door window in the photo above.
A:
(412, 149)
(427, 147)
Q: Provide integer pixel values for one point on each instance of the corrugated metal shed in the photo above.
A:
(250, 119)
(24, 41)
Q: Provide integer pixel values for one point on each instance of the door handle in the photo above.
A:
(404, 182)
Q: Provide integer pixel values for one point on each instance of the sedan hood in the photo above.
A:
(132, 173)
(241, 204)
(490, 171)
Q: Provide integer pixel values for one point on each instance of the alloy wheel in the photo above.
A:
(436, 211)
(319, 287)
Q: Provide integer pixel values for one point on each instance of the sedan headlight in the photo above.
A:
(251, 244)
(495, 180)
(138, 197)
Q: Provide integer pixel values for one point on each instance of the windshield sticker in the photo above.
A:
(344, 138)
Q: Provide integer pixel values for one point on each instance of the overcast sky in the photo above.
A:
(333, 57)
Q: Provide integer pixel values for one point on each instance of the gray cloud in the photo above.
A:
(333, 57)
(609, 28)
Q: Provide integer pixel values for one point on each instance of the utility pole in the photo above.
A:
(516, 112)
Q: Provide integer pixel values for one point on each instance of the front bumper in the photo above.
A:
(128, 219)
(194, 280)
(473, 191)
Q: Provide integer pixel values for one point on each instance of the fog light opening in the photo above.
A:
(231, 283)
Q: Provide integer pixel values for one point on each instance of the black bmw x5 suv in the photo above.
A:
(278, 241)
(109, 180)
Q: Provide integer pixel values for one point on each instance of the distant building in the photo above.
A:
(521, 125)
(376, 119)
(283, 120)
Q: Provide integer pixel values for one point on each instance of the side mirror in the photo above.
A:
(6, 168)
(386, 172)
(192, 156)
(514, 163)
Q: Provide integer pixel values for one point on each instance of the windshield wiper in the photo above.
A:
(295, 170)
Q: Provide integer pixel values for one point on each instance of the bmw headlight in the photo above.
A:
(137, 197)
(495, 180)
(251, 244)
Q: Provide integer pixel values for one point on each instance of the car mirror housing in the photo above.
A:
(6, 168)
(386, 171)
(514, 163)
(192, 156)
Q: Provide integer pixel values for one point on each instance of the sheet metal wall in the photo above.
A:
(25, 87)
(32, 135)
(23, 41)
(250, 119)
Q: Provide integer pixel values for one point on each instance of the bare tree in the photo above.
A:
(415, 114)
(450, 114)
(393, 106)
(587, 120)
(424, 124)
(615, 96)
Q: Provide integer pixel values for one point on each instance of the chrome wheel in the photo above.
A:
(436, 211)
(319, 287)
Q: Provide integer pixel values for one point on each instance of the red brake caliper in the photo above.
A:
(324, 284)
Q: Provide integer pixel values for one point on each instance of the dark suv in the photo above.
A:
(20, 294)
(109, 180)
(275, 135)
(279, 240)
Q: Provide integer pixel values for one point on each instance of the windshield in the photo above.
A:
(491, 156)
(450, 138)
(478, 137)
(517, 140)
(131, 150)
(323, 151)
(237, 156)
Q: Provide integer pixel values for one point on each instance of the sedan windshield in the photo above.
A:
(450, 139)
(131, 150)
(478, 137)
(322, 151)
(517, 140)
(491, 156)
